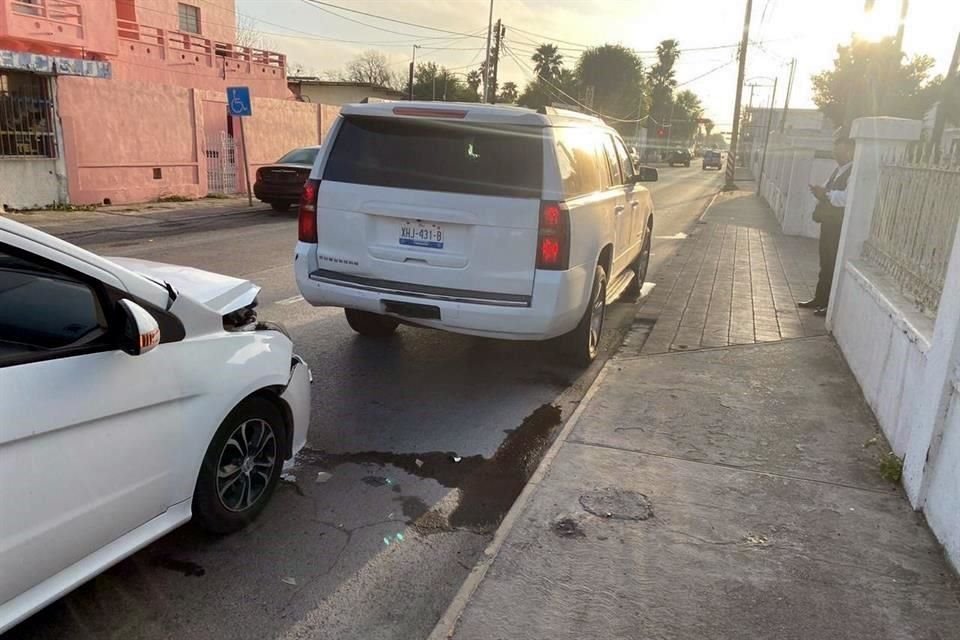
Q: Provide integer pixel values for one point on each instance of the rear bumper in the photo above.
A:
(555, 307)
(267, 192)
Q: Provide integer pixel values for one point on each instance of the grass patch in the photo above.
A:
(174, 199)
(891, 467)
(216, 196)
(56, 206)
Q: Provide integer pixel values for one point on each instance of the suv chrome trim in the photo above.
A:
(421, 291)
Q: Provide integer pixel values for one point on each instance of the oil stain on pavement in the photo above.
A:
(487, 486)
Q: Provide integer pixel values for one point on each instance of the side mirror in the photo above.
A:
(140, 332)
(647, 174)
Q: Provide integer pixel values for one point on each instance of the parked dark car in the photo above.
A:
(679, 156)
(712, 160)
(280, 184)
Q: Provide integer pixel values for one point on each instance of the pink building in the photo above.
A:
(124, 101)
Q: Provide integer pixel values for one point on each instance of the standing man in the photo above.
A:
(831, 199)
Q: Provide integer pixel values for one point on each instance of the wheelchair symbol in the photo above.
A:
(238, 99)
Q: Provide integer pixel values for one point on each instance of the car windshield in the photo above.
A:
(306, 155)
(438, 156)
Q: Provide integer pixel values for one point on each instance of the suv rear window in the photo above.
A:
(458, 157)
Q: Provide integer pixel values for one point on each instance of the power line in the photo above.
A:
(568, 96)
(317, 4)
(707, 73)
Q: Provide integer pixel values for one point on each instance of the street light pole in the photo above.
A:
(413, 63)
(735, 133)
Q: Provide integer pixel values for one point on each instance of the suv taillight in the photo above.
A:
(553, 239)
(307, 218)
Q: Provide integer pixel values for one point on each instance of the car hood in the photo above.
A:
(287, 165)
(215, 291)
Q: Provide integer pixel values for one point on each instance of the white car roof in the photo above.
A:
(472, 112)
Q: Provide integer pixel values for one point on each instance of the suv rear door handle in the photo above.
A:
(634, 204)
(618, 209)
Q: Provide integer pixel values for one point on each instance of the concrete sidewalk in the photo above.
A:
(725, 493)
(67, 224)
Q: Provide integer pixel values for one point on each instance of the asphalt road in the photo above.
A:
(380, 546)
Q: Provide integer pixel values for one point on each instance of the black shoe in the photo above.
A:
(810, 304)
(820, 311)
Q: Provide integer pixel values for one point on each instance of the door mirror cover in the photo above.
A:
(646, 174)
(140, 332)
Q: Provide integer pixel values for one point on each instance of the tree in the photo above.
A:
(474, 80)
(371, 67)
(662, 81)
(433, 82)
(547, 62)
(508, 93)
(615, 74)
(872, 78)
(247, 33)
(708, 127)
(687, 110)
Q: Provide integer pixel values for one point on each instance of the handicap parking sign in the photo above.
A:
(238, 101)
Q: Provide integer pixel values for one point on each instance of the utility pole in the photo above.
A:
(413, 62)
(766, 136)
(486, 63)
(904, 7)
(499, 33)
(786, 102)
(951, 79)
(735, 133)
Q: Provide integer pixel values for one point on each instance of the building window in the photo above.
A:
(26, 116)
(28, 7)
(189, 18)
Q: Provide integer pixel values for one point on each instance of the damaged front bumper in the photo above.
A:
(297, 397)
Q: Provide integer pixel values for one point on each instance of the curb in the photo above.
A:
(700, 220)
(447, 624)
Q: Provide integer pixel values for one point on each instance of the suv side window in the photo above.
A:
(45, 313)
(577, 161)
(616, 177)
(625, 161)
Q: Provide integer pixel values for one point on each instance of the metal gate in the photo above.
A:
(221, 164)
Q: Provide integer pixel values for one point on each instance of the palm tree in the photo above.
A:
(662, 81)
(509, 93)
(547, 62)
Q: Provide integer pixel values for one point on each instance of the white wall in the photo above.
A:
(31, 182)
(907, 364)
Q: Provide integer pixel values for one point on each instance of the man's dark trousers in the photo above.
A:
(829, 245)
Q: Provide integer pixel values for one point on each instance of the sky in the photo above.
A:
(324, 39)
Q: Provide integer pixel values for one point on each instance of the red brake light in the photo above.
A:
(307, 218)
(553, 239)
(430, 112)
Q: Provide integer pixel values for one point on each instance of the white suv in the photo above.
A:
(486, 220)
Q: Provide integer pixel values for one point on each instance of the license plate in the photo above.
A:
(421, 234)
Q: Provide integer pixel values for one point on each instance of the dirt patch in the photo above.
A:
(617, 504)
(488, 487)
(568, 528)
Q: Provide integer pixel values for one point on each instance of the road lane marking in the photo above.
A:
(677, 236)
(290, 300)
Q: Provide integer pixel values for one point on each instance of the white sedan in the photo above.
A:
(133, 395)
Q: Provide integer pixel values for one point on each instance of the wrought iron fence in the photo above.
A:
(26, 116)
(221, 164)
(914, 223)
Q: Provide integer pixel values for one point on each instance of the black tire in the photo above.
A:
(253, 461)
(582, 345)
(371, 325)
(280, 206)
(639, 268)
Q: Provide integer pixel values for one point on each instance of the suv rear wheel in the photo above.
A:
(372, 325)
(639, 268)
(583, 342)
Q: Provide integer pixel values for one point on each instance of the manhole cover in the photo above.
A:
(618, 504)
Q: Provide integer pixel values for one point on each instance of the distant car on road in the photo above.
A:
(279, 184)
(712, 159)
(134, 396)
(494, 221)
(679, 157)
